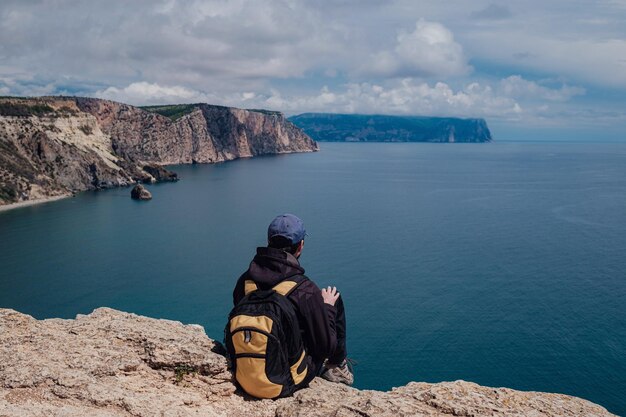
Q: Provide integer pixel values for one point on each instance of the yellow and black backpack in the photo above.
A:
(264, 342)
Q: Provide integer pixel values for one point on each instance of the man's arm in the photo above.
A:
(318, 320)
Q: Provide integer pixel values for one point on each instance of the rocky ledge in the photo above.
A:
(111, 363)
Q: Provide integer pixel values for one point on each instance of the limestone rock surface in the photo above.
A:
(111, 363)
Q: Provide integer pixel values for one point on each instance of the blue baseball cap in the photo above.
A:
(288, 226)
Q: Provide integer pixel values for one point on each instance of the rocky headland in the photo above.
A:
(111, 363)
(381, 128)
(55, 146)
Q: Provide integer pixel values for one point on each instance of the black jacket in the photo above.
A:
(317, 319)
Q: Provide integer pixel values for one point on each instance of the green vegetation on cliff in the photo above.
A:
(173, 111)
(268, 112)
(23, 109)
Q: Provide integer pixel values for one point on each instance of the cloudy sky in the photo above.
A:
(535, 69)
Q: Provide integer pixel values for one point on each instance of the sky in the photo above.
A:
(534, 69)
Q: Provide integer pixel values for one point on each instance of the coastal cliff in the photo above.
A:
(111, 363)
(54, 146)
(378, 128)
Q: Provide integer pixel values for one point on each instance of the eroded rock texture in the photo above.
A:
(53, 146)
(139, 192)
(110, 363)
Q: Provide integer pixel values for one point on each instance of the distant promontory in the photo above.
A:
(329, 127)
(55, 146)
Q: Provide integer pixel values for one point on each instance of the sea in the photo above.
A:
(499, 263)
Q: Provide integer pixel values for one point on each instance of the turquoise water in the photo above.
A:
(502, 264)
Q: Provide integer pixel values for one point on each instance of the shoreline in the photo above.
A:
(27, 203)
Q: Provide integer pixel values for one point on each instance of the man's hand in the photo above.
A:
(330, 295)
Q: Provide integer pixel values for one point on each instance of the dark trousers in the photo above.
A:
(340, 351)
(340, 321)
(317, 367)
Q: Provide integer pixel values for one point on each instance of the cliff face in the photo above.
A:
(110, 363)
(54, 146)
(205, 134)
(378, 128)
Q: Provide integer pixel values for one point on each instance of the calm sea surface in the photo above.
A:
(502, 264)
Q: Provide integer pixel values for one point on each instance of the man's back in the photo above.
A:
(317, 319)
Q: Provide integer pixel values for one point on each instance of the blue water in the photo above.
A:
(502, 264)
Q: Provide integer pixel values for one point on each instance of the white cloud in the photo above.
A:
(208, 44)
(513, 99)
(396, 56)
(430, 50)
(143, 93)
(407, 96)
(596, 59)
(25, 85)
(213, 44)
(517, 87)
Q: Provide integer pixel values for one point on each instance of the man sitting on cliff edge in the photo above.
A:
(320, 316)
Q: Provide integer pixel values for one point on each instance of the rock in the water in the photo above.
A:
(139, 192)
(110, 363)
(160, 174)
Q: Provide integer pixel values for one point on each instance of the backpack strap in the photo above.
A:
(287, 286)
(249, 286)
